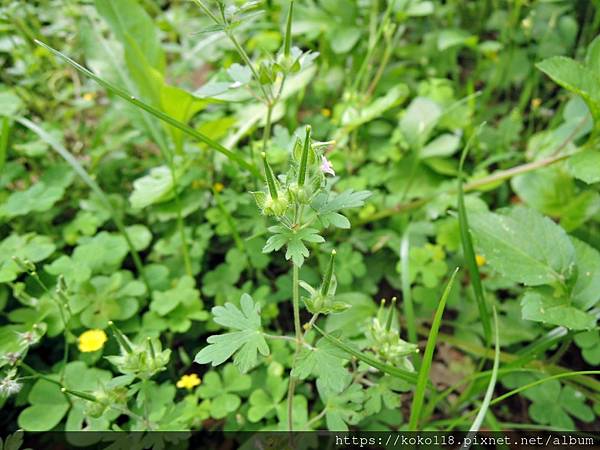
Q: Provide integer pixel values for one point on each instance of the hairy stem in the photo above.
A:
(299, 338)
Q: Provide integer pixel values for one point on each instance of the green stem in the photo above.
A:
(187, 262)
(299, 340)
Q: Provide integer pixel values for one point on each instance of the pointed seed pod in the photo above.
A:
(270, 177)
(328, 275)
(304, 159)
(288, 31)
(83, 395)
(120, 337)
(388, 324)
(151, 347)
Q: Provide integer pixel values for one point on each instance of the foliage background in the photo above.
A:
(401, 88)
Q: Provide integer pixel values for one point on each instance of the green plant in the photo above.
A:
(204, 207)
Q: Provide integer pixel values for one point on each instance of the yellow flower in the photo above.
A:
(92, 340)
(188, 381)
(89, 96)
(218, 187)
(536, 102)
(480, 260)
(326, 112)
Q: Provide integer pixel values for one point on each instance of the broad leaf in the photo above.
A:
(326, 362)
(575, 77)
(524, 246)
(541, 307)
(246, 342)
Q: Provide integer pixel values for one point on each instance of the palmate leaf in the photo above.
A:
(328, 207)
(294, 240)
(245, 343)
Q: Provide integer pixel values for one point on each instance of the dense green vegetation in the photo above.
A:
(204, 206)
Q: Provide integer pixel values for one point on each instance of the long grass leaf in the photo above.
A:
(458, 421)
(4, 132)
(79, 170)
(491, 386)
(156, 113)
(423, 377)
(386, 368)
(467, 245)
(407, 303)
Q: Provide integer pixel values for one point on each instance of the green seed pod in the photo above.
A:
(304, 158)
(328, 275)
(288, 31)
(388, 324)
(24, 264)
(270, 177)
(275, 206)
(121, 338)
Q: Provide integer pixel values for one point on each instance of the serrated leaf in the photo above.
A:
(294, 242)
(539, 307)
(515, 244)
(328, 207)
(576, 78)
(585, 166)
(246, 342)
(326, 363)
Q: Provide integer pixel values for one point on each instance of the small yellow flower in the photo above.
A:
(92, 340)
(326, 112)
(218, 187)
(188, 381)
(480, 260)
(536, 102)
(89, 96)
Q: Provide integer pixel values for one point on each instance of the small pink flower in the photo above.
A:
(326, 166)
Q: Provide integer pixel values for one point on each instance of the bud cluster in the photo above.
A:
(386, 342)
(143, 361)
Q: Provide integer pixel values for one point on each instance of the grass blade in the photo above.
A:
(409, 312)
(390, 370)
(467, 245)
(423, 377)
(4, 131)
(156, 113)
(458, 421)
(79, 170)
(490, 389)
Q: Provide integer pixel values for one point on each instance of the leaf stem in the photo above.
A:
(299, 339)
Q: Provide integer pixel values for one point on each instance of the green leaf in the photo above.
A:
(128, 18)
(293, 240)
(418, 121)
(539, 307)
(342, 408)
(247, 342)
(585, 293)
(585, 166)
(183, 292)
(29, 246)
(328, 207)
(223, 393)
(371, 361)
(468, 251)
(157, 113)
(263, 403)
(423, 377)
(156, 187)
(515, 243)
(576, 78)
(326, 363)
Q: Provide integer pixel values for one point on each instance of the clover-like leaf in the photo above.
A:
(246, 342)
